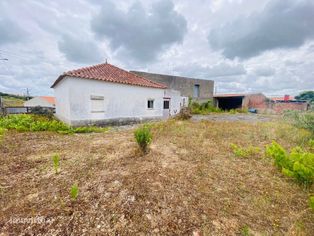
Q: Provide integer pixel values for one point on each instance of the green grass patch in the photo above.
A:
(250, 151)
(35, 123)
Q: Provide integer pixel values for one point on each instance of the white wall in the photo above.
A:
(61, 92)
(37, 101)
(73, 100)
(175, 101)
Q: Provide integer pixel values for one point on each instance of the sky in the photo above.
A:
(245, 46)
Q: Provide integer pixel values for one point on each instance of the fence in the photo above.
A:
(23, 110)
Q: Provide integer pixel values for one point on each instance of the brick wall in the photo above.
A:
(280, 107)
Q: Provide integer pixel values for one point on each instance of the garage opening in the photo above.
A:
(228, 103)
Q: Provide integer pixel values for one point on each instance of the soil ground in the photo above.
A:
(190, 183)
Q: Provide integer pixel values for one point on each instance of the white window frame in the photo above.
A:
(150, 99)
(94, 98)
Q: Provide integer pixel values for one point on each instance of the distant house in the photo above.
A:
(106, 94)
(41, 101)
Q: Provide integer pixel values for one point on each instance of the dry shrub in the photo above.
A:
(185, 114)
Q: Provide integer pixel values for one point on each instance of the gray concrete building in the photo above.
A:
(198, 89)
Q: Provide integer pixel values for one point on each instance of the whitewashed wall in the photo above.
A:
(37, 101)
(73, 100)
(61, 92)
(175, 101)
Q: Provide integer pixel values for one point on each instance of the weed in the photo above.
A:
(245, 231)
(303, 120)
(299, 164)
(143, 137)
(24, 123)
(56, 162)
(74, 192)
(245, 152)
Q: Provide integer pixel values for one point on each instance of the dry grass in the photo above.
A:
(190, 181)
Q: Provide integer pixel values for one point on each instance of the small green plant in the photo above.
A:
(74, 192)
(297, 164)
(245, 152)
(311, 202)
(245, 231)
(2, 132)
(143, 137)
(56, 162)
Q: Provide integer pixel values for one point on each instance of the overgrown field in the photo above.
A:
(201, 178)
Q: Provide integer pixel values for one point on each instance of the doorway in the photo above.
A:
(166, 108)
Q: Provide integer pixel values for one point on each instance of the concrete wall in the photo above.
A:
(37, 101)
(183, 84)
(122, 103)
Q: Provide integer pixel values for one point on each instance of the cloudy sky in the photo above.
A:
(243, 45)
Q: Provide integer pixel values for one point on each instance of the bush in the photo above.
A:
(203, 108)
(298, 164)
(143, 137)
(245, 152)
(23, 123)
(184, 114)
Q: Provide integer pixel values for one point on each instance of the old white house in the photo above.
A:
(106, 94)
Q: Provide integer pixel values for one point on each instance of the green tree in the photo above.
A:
(306, 95)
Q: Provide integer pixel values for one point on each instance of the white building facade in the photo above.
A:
(87, 101)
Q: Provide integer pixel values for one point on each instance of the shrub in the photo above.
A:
(184, 114)
(23, 123)
(298, 164)
(74, 192)
(143, 137)
(203, 108)
(56, 162)
(245, 152)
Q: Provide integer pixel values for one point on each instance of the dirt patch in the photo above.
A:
(189, 183)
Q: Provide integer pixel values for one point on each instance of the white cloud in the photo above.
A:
(276, 52)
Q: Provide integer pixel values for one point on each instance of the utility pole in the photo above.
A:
(27, 94)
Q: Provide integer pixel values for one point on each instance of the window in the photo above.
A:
(166, 104)
(150, 103)
(196, 90)
(97, 104)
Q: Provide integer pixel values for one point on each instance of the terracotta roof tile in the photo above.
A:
(109, 73)
(49, 99)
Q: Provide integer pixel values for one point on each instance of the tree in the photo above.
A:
(306, 95)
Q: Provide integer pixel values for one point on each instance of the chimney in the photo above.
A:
(286, 98)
